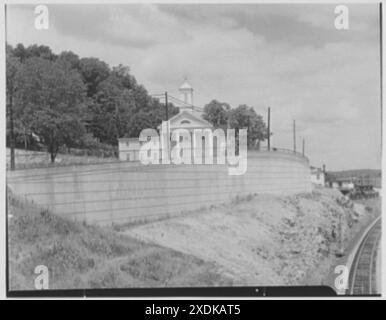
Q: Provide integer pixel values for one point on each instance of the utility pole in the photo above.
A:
(303, 147)
(167, 124)
(269, 128)
(294, 135)
(117, 128)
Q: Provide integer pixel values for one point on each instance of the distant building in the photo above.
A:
(342, 184)
(345, 184)
(129, 149)
(318, 176)
(375, 181)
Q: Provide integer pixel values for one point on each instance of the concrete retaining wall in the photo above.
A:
(124, 192)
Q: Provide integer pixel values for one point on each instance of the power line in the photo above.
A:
(185, 104)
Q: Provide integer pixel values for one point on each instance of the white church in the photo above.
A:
(188, 118)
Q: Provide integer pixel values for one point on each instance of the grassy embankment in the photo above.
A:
(83, 256)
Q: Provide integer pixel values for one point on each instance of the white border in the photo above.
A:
(2, 127)
(2, 159)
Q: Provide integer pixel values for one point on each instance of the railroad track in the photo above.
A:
(362, 277)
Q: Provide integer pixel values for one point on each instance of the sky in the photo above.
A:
(288, 57)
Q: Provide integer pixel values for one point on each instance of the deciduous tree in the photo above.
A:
(51, 100)
(245, 117)
(217, 113)
(12, 69)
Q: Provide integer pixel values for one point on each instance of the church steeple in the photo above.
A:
(186, 93)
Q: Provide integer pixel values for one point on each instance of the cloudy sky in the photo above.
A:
(288, 57)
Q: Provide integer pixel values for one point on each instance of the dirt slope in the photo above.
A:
(261, 239)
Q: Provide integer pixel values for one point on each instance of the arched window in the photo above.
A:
(185, 122)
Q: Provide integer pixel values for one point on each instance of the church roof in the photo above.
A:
(188, 114)
(196, 120)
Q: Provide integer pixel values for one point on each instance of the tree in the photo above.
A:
(71, 58)
(51, 100)
(111, 110)
(245, 117)
(41, 51)
(93, 72)
(217, 113)
(20, 52)
(109, 102)
(12, 68)
(23, 53)
(122, 108)
(122, 74)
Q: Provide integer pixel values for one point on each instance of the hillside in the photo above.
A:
(255, 240)
(81, 256)
(371, 173)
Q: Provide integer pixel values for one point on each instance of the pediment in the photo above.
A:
(189, 120)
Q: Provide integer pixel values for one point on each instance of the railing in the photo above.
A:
(40, 159)
(134, 154)
(273, 149)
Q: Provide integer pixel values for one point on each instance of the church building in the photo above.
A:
(188, 118)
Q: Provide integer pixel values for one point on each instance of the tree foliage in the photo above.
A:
(23, 53)
(245, 117)
(72, 101)
(221, 115)
(93, 72)
(217, 113)
(51, 100)
(12, 67)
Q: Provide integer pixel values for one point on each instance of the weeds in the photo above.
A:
(85, 256)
